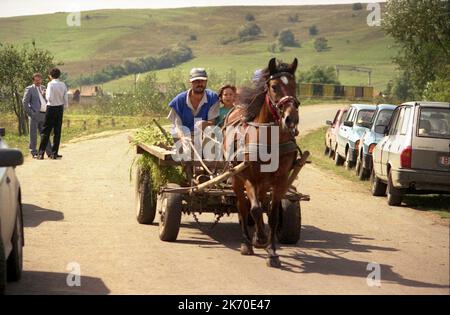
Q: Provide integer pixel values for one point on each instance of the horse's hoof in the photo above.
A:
(246, 249)
(273, 262)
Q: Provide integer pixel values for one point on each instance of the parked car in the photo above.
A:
(330, 136)
(414, 156)
(347, 140)
(370, 138)
(11, 223)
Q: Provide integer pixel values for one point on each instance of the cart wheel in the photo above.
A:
(169, 207)
(290, 222)
(145, 198)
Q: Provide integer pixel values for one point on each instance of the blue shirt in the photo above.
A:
(180, 105)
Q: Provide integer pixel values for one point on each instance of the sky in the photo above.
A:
(31, 7)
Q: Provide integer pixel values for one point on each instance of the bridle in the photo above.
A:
(276, 108)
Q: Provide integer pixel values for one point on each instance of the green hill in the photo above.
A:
(111, 36)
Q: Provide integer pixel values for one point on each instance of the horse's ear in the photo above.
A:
(272, 66)
(293, 66)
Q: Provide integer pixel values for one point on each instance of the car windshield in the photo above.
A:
(364, 116)
(434, 123)
(384, 117)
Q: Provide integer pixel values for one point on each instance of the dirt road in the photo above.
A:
(81, 210)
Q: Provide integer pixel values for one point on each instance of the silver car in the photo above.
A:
(11, 223)
(414, 155)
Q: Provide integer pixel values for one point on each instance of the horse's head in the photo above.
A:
(282, 93)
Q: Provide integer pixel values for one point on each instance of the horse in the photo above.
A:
(272, 104)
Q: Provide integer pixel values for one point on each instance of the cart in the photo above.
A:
(205, 193)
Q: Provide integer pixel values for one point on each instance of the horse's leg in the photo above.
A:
(256, 211)
(273, 260)
(243, 206)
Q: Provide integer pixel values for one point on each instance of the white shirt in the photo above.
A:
(213, 112)
(57, 94)
(41, 97)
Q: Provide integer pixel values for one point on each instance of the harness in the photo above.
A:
(276, 110)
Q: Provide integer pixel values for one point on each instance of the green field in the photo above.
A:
(112, 36)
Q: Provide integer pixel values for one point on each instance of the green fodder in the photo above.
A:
(160, 175)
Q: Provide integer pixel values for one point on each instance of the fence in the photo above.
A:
(333, 91)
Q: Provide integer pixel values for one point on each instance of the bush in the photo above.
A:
(275, 48)
(167, 58)
(275, 33)
(438, 90)
(319, 74)
(403, 89)
(293, 18)
(313, 30)
(249, 17)
(321, 44)
(287, 38)
(193, 37)
(357, 6)
(249, 31)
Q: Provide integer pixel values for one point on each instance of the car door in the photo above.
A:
(402, 137)
(7, 208)
(386, 143)
(344, 131)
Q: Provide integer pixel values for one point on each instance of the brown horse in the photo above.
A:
(271, 104)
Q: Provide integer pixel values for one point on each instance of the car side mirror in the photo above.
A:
(348, 123)
(329, 122)
(10, 157)
(2, 132)
(382, 129)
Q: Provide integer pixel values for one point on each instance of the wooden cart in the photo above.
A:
(204, 193)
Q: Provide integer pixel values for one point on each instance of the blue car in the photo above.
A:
(370, 138)
(356, 123)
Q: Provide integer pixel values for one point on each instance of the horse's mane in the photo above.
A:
(252, 98)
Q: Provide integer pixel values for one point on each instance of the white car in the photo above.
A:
(11, 223)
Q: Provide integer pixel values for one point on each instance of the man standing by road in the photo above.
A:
(57, 100)
(197, 106)
(34, 105)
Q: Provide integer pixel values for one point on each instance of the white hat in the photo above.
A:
(198, 74)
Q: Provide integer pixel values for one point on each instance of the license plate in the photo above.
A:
(443, 160)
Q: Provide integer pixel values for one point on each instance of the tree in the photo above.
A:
(357, 6)
(287, 38)
(249, 31)
(313, 30)
(319, 74)
(16, 70)
(249, 17)
(402, 88)
(321, 44)
(422, 30)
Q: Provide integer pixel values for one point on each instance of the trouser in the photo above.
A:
(53, 121)
(36, 121)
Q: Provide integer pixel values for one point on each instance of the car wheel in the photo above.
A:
(378, 188)
(348, 164)
(361, 172)
(2, 268)
(331, 153)
(338, 160)
(394, 195)
(15, 259)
